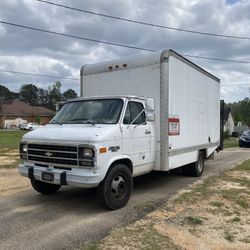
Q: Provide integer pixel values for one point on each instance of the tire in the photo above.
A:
(115, 190)
(195, 169)
(44, 188)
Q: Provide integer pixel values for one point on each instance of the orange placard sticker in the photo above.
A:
(173, 126)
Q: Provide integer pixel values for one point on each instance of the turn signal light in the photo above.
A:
(102, 150)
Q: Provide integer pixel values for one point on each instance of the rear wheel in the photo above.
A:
(195, 169)
(115, 190)
(44, 188)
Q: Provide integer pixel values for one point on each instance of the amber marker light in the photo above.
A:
(102, 150)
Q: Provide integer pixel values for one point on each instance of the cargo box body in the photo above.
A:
(187, 101)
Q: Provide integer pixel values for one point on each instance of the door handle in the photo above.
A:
(147, 132)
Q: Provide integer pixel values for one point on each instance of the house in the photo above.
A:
(15, 111)
(228, 121)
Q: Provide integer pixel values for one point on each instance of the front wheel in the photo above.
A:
(44, 188)
(115, 190)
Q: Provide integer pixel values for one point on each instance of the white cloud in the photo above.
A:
(25, 50)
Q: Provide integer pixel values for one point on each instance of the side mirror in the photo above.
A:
(150, 104)
(150, 117)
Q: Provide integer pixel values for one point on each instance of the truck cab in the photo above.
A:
(93, 142)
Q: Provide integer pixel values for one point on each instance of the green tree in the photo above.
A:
(42, 96)
(241, 111)
(69, 94)
(38, 119)
(28, 94)
(55, 95)
(6, 94)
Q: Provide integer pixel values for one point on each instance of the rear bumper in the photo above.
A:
(79, 177)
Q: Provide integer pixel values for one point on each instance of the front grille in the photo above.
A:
(53, 147)
(54, 154)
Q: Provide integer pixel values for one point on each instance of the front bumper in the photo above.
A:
(244, 143)
(75, 177)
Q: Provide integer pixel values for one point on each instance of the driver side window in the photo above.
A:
(132, 111)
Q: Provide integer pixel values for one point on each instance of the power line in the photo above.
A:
(41, 75)
(217, 59)
(237, 85)
(76, 79)
(115, 44)
(74, 36)
(146, 23)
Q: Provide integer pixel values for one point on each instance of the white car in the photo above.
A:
(29, 126)
(22, 125)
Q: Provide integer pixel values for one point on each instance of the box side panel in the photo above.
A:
(176, 161)
(194, 107)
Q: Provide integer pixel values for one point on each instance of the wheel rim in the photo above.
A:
(200, 165)
(118, 187)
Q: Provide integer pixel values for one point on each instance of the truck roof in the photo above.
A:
(140, 61)
(107, 97)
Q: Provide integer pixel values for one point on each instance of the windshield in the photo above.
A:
(246, 133)
(99, 111)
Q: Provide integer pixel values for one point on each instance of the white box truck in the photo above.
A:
(156, 111)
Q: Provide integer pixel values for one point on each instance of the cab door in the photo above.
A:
(136, 133)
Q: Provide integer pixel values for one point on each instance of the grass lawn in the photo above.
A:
(11, 139)
(9, 147)
(231, 142)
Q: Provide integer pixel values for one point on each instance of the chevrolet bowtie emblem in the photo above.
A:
(49, 154)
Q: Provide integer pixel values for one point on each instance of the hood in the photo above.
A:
(246, 137)
(83, 133)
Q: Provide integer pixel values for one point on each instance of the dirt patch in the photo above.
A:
(208, 225)
(9, 158)
(11, 182)
(213, 214)
(13, 154)
(227, 185)
(146, 235)
(185, 239)
(5, 160)
(239, 174)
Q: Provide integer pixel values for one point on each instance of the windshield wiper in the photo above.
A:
(82, 120)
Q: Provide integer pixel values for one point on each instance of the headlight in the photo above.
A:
(86, 156)
(243, 139)
(23, 148)
(86, 153)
